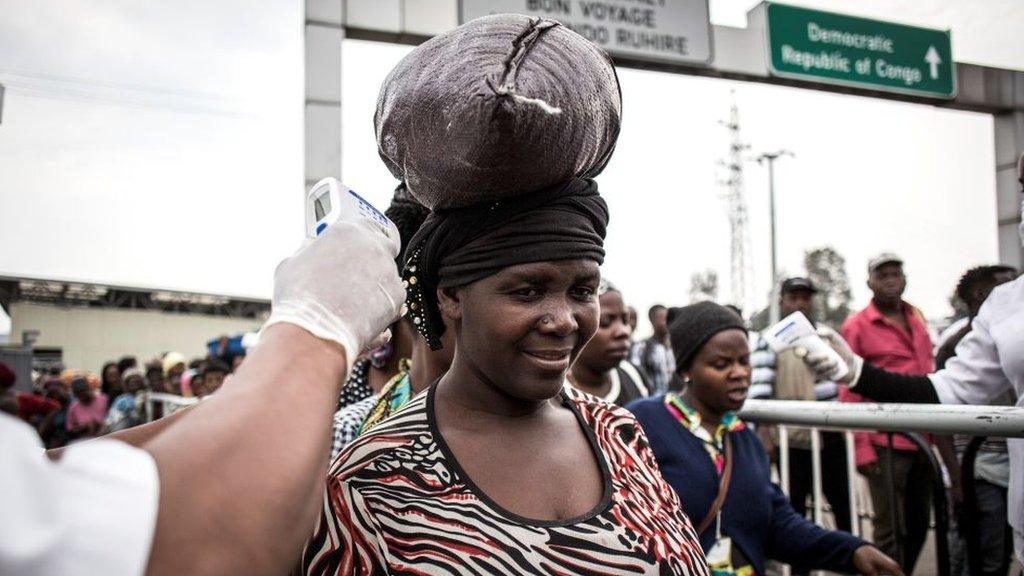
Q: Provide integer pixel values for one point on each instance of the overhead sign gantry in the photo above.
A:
(781, 44)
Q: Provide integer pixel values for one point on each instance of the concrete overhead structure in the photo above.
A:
(735, 54)
(82, 325)
(324, 31)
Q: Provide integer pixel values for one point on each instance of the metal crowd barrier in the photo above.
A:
(908, 420)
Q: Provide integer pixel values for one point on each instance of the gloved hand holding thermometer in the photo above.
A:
(339, 288)
(822, 364)
(808, 341)
(344, 232)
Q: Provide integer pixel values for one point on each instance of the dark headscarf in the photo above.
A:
(459, 246)
(690, 328)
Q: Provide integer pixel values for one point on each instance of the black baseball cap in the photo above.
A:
(798, 283)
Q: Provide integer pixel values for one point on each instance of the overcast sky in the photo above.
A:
(159, 144)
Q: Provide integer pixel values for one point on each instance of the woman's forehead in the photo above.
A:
(612, 300)
(571, 270)
(729, 341)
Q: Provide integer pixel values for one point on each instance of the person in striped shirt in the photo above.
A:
(784, 376)
(499, 467)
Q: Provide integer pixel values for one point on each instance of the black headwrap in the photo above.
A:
(459, 246)
(690, 328)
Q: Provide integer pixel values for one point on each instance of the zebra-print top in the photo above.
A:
(397, 502)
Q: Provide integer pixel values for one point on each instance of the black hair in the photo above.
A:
(670, 316)
(127, 362)
(103, 371)
(216, 366)
(735, 308)
(7, 377)
(979, 276)
(79, 382)
(9, 404)
(408, 215)
(653, 309)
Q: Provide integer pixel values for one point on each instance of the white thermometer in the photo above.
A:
(329, 201)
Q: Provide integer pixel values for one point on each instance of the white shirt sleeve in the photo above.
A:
(91, 512)
(975, 375)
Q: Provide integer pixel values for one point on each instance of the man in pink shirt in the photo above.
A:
(891, 334)
(87, 412)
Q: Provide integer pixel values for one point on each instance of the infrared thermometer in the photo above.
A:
(330, 201)
(796, 330)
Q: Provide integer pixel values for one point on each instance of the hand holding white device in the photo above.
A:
(341, 285)
(796, 331)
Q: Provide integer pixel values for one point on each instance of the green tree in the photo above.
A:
(826, 268)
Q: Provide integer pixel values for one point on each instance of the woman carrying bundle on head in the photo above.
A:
(499, 467)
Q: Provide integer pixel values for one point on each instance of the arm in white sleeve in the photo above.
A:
(92, 512)
(241, 475)
(975, 375)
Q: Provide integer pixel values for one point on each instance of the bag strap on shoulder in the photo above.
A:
(723, 489)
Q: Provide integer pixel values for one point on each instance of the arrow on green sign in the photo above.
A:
(933, 60)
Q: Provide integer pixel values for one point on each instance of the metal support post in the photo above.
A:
(770, 158)
(775, 313)
(939, 503)
(816, 474)
(784, 458)
(323, 35)
(969, 508)
(851, 476)
(894, 504)
(784, 473)
(1009, 143)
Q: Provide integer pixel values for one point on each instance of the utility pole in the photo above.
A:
(770, 158)
(736, 206)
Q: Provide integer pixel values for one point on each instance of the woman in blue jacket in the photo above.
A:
(718, 466)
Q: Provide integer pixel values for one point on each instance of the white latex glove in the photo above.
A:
(823, 366)
(342, 286)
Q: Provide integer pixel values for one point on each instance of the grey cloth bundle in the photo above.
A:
(501, 106)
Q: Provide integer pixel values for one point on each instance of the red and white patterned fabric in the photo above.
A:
(397, 502)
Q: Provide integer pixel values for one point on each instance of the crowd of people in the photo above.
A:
(511, 424)
(641, 375)
(685, 384)
(655, 379)
(70, 405)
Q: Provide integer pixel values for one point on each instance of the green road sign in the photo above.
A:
(839, 49)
